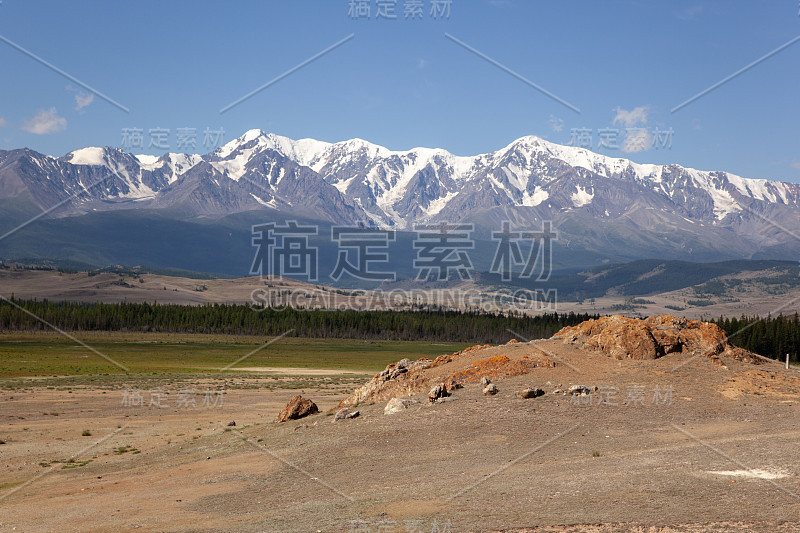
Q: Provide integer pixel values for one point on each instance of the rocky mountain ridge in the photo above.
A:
(596, 202)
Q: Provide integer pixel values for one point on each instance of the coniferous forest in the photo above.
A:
(771, 336)
(423, 325)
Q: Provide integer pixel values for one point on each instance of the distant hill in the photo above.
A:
(652, 276)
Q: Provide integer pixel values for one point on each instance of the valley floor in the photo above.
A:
(676, 444)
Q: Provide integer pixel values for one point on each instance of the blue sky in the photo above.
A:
(402, 83)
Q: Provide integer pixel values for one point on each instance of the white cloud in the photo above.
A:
(45, 122)
(556, 123)
(3, 122)
(422, 63)
(634, 117)
(691, 12)
(796, 164)
(83, 100)
(637, 140)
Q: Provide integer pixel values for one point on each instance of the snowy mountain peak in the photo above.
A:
(597, 197)
(373, 150)
(238, 143)
(149, 160)
(397, 188)
(93, 155)
(250, 135)
(394, 187)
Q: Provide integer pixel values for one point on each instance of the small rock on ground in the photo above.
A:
(345, 413)
(579, 390)
(298, 407)
(396, 405)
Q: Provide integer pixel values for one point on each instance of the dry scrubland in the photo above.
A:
(682, 442)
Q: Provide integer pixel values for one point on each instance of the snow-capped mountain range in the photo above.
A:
(597, 202)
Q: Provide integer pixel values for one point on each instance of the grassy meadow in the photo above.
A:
(52, 354)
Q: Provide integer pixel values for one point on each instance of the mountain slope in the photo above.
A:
(598, 204)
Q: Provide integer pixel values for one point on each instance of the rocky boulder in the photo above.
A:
(646, 339)
(298, 407)
(530, 393)
(437, 392)
(403, 378)
(409, 378)
(451, 384)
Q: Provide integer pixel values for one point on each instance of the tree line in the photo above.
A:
(422, 325)
(771, 336)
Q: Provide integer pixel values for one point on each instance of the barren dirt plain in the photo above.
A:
(683, 442)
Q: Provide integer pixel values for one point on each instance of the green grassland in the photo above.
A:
(50, 354)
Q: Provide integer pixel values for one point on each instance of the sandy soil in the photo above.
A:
(677, 444)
